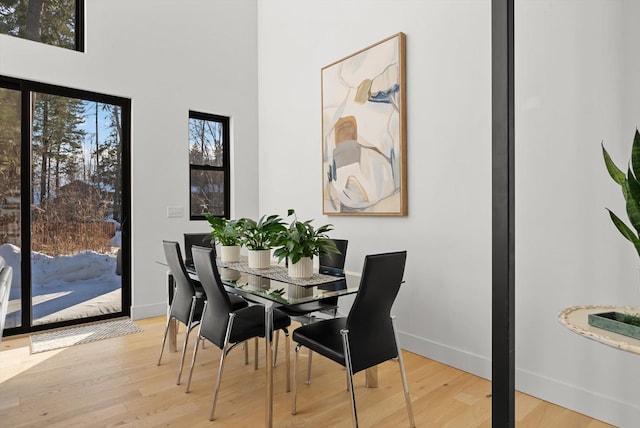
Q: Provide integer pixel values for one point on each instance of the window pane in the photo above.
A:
(10, 197)
(205, 142)
(76, 199)
(207, 192)
(48, 21)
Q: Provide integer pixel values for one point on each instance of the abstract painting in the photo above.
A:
(364, 132)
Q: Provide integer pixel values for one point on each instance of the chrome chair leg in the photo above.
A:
(166, 330)
(195, 350)
(186, 338)
(193, 362)
(275, 348)
(347, 360)
(225, 351)
(288, 360)
(405, 384)
(294, 380)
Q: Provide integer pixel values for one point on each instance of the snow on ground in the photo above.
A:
(64, 287)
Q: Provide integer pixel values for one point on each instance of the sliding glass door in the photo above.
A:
(10, 196)
(70, 204)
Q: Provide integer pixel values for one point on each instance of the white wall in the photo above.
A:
(168, 57)
(444, 308)
(577, 85)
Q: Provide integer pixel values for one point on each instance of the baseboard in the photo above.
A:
(148, 311)
(462, 360)
(594, 405)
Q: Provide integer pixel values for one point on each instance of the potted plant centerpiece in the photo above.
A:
(259, 237)
(300, 242)
(227, 234)
(630, 186)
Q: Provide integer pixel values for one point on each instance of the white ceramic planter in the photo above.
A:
(297, 292)
(229, 274)
(255, 282)
(259, 259)
(230, 253)
(301, 270)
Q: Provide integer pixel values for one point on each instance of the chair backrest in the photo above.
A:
(216, 316)
(333, 264)
(185, 289)
(371, 337)
(191, 239)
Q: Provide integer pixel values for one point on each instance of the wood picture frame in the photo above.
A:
(364, 153)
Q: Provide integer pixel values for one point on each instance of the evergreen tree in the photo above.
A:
(9, 142)
(56, 144)
(109, 153)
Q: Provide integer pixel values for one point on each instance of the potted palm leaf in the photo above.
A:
(630, 187)
(630, 190)
(227, 234)
(259, 237)
(300, 242)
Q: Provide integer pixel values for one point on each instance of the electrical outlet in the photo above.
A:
(175, 212)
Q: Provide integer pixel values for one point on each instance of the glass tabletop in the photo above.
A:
(281, 292)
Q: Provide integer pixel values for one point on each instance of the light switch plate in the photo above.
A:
(175, 211)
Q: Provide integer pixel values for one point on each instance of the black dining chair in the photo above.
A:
(366, 337)
(221, 324)
(199, 239)
(188, 299)
(329, 264)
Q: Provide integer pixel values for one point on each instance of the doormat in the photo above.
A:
(75, 336)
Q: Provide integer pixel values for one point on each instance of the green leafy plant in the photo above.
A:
(630, 190)
(263, 234)
(225, 232)
(302, 239)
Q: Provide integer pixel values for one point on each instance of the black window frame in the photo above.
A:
(26, 88)
(226, 161)
(78, 30)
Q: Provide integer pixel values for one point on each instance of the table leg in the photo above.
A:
(173, 335)
(173, 324)
(268, 332)
(371, 380)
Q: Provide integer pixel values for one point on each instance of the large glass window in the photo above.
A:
(208, 165)
(63, 204)
(54, 22)
(76, 200)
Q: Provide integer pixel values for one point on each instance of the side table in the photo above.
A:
(575, 319)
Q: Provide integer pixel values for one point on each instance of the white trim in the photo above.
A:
(601, 407)
(148, 311)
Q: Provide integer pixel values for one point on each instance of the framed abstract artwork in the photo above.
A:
(364, 132)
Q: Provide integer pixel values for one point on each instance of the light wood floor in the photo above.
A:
(116, 382)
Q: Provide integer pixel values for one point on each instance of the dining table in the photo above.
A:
(272, 287)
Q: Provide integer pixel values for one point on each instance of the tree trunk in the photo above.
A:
(97, 179)
(45, 149)
(32, 24)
